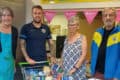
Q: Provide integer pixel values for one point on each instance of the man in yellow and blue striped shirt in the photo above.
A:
(105, 48)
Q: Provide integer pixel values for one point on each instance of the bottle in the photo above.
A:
(70, 78)
(42, 75)
(31, 74)
(65, 76)
(49, 78)
(59, 76)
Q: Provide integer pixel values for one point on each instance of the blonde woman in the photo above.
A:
(74, 51)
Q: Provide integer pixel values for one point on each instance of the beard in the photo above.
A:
(36, 21)
(109, 23)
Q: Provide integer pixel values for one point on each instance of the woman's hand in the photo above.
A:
(72, 71)
(53, 60)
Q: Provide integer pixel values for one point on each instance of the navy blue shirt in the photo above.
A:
(35, 40)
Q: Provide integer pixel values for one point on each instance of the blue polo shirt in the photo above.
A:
(35, 40)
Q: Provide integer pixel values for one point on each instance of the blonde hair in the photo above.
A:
(74, 19)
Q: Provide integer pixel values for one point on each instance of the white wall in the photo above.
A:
(18, 7)
(59, 19)
(61, 7)
(83, 5)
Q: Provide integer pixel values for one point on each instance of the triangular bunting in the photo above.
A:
(49, 15)
(118, 16)
(90, 15)
(69, 14)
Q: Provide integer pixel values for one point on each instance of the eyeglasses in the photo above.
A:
(9, 15)
(110, 15)
(72, 25)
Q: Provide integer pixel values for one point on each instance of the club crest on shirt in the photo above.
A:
(43, 31)
(114, 39)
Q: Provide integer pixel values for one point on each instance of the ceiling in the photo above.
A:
(71, 1)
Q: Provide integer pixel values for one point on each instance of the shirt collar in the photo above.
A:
(35, 27)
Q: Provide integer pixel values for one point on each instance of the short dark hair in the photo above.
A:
(6, 9)
(37, 6)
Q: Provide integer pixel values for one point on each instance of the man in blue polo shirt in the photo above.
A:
(33, 37)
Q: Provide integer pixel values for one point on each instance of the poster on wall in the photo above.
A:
(55, 30)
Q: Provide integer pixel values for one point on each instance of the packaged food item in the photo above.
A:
(41, 75)
(59, 76)
(49, 78)
(32, 74)
(56, 68)
(67, 77)
(37, 78)
(46, 70)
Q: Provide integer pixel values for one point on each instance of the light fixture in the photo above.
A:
(51, 1)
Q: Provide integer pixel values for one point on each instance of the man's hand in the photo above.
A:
(115, 79)
(30, 61)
